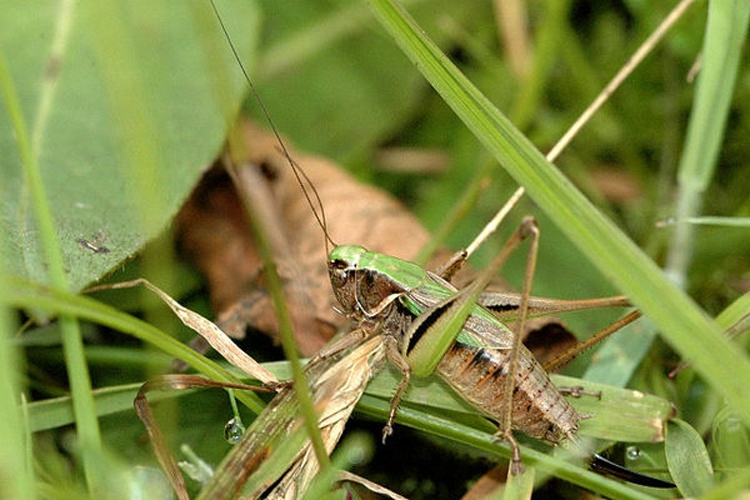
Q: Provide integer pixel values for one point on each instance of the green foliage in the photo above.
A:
(126, 107)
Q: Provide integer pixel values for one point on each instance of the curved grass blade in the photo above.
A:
(28, 295)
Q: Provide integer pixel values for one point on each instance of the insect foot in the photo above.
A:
(516, 466)
(387, 431)
(577, 391)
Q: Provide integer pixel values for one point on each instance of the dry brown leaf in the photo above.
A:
(207, 330)
(547, 338)
(213, 232)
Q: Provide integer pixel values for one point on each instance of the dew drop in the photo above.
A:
(632, 453)
(234, 430)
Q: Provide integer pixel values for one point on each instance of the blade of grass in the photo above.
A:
(722, 51)
(709, 220)
(12, 432)
(276, 289)
(288, 343)
(87, 425)
(29, 295)
(484, 441)
(683, 324)
(57, 412)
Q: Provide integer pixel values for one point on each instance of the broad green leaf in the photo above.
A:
(731, 441)
(126, 103)
(689, 463)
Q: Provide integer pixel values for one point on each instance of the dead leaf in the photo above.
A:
(547, 338)
(489, 483)
(213, 232)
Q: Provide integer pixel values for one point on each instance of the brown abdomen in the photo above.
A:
(478, 375)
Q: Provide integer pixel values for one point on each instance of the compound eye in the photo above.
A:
(341, 265)
(337, 264)
(340, 269)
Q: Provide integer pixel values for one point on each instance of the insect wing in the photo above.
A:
(482, 328)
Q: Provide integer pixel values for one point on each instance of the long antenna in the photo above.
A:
(299, 173)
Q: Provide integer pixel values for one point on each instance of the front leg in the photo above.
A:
(342, 344)
(398, 359)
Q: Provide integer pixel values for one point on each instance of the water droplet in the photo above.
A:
(632, 453)
(234, 430)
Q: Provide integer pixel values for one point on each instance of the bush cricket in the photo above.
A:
(429, 326)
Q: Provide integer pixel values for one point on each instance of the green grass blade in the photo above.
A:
(87, 425)
(35, 296)
(725, 33)
(483, 441)
(719, 221)
(683, 324)
(12, 433)
(57, 412)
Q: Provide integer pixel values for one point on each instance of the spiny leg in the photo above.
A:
(566, 357)
(394, 355)
(516, 466)
(345, 342)
(528, 228)
(570, 354)
(450, 267)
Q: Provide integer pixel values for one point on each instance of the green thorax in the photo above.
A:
(421, 289)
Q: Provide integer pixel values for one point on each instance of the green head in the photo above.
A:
(343, 263)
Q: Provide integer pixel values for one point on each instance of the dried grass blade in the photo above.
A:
(275, 449)
(144, 412)
(206, 329)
